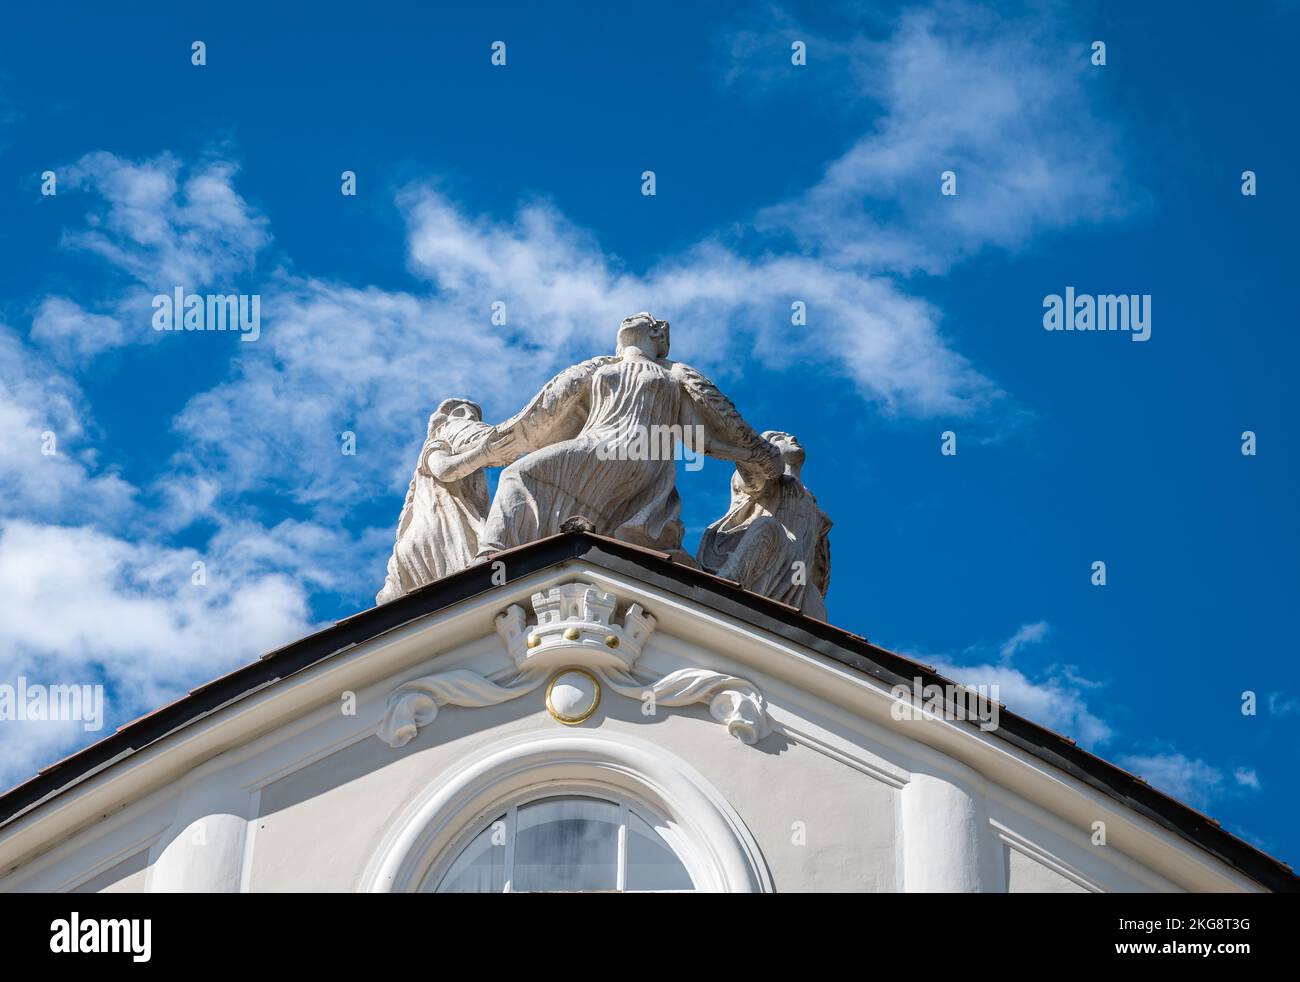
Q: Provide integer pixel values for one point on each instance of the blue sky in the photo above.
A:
(775, 183)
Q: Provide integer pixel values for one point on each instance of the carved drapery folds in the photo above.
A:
(446, 502)
(574, 626)
(601, 440)
(774, 540)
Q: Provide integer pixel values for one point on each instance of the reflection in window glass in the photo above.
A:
(651, 865)
(481, 868)
(566, 844)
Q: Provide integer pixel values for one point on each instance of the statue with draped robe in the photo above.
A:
(774, 539)
(446, 503)
(595, 442)
(600, 442)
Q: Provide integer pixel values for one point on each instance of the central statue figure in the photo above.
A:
(589, 444)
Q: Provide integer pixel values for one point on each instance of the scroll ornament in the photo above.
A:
(575, 626)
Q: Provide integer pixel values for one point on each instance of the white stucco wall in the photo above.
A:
(294, 795)
(325, 821)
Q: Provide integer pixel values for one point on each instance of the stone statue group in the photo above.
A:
(579, 448)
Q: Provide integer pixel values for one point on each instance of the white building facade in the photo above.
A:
(604, 719)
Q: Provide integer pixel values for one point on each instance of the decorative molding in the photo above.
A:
(849, 755)
(733, 702)
(415, 704)
(572, 695)
(1038, 854)
(138, 844)
(575, 629)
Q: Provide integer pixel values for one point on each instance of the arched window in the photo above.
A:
(568, 843)
(671, 829)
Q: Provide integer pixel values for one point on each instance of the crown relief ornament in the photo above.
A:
(574, 623)
(575, 630)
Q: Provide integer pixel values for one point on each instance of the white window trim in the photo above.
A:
(712, 841)
(665, 827)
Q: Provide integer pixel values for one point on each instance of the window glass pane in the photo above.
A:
(651, 864)
(481, 868)
(566, 844)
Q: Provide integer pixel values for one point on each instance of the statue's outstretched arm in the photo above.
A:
(556, 413)
(444, 465)
(727, 435)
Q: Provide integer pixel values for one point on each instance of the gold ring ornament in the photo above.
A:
(572, 695)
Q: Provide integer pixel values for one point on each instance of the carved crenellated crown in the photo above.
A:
(574, 622)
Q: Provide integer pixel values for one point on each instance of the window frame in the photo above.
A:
(718, 850)
(668, 831)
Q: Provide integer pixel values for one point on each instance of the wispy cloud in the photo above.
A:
(1246, 777)
(952, 86)
(336, 357)
(1282, 704)
(73, 333)
(164, 224)
(1053, 697)
(1048, 699)
(998, 97)
(83, 607)
(1028, 634)
(1190, 779)
(48, 468)
(1058, 697)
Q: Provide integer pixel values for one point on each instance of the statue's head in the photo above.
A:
(454, 409)
(792, 452)
(644, 332)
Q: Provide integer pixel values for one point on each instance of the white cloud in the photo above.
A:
(66, 585)
(334, 358)
(1053, 697)
(84, 607)
(950, 83)
(1246, 777)
(91, 594)
(952, 86)
(313, 556)
(1189, 780)
(1049, 701)
(1192, 780)
(40, 409)
(1056, 698)
(1280, 704)
(73, 333)
(165, 226)
(1002, 101)
(566, 295)
(165, 229)
(1028, 634)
